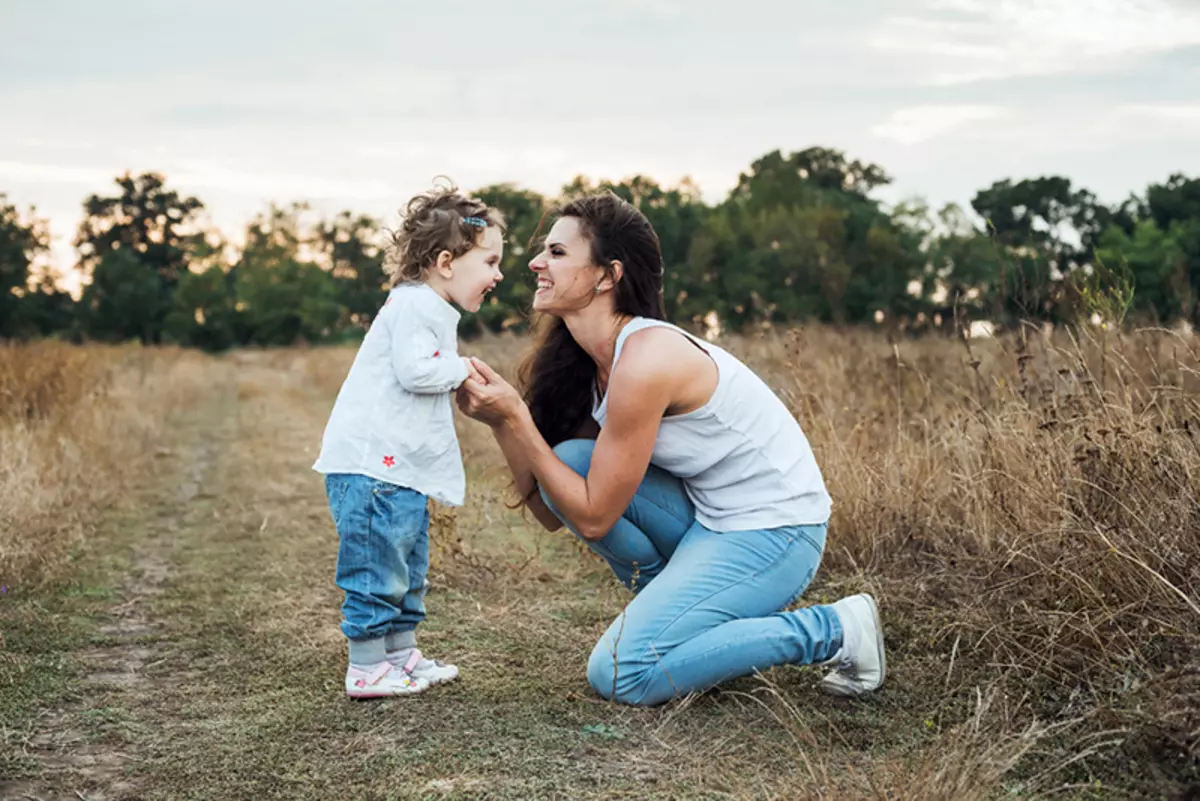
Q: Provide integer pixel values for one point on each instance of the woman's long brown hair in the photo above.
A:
(558, 375)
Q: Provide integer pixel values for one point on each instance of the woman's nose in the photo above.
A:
(537, 263)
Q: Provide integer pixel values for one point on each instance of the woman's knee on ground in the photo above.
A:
(632, 680)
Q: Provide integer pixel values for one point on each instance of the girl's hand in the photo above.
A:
(491, 400)
(472, 373)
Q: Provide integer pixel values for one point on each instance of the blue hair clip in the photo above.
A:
(476, 221)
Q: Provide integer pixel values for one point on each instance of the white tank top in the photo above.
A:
(744, 461)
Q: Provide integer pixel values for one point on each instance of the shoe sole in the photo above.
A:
(369, 695)
(377, 696)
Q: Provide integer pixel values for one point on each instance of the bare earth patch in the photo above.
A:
(116, 672)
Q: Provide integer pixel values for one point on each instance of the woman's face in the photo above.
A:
(567, 278)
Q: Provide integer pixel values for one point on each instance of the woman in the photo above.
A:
(679, 466)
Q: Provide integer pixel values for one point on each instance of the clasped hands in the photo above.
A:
(485, 396)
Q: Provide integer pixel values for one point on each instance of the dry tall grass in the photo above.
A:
(1029, 509)
(77, 424)
(1026, 508)
(1039, 495)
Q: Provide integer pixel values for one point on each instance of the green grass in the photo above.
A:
(46, 631)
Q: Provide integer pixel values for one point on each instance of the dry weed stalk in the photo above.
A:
(77, 425)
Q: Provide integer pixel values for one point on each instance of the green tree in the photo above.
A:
(801, 235)
(1177, 200)
(282, 299)
(46, 310)
(124, 300)
(1047, 213)
(1047, 229)
(794, 268)
(1157, 266)
(1175, 208)
(351, 249)
(151, 226)
(965, 269)
(805, 176)
(20, 244)
(203, 311)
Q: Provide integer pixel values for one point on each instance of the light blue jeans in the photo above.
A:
(383, 556)
(706, 604)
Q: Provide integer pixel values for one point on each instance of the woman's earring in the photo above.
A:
(597, 289)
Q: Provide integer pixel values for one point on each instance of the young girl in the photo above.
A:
(390, 442)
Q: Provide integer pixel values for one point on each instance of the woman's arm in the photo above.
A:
(656, 368)
(640, 392)
(520, 467)
(522, 472)
(619, 461)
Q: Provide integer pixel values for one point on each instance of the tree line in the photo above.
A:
(799, 238)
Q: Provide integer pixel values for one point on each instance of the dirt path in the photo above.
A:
(210, 664)
(118, 668)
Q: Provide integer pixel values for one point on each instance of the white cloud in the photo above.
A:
(1189, 115)
(24, 172)
(1024, 133)
(1010, 38)
(247, 120)
(205, 175)
(210, 175)
(910, 126)
(665, 10)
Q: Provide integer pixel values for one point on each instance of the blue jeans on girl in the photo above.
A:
(383, 556)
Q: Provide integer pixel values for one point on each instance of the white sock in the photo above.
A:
(401, 639)
(400, 655)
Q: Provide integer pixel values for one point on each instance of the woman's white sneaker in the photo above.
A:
(861, 662)
(381, 681)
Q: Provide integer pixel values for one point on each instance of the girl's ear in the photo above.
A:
(443, 265)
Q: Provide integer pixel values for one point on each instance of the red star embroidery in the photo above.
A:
(437, 353)
(389, 461)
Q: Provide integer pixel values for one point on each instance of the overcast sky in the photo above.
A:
(359, 104)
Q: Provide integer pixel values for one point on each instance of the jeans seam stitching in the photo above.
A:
(339, 506)
(722, 589)
(800, 531)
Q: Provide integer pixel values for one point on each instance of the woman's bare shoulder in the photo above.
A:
(658, 353)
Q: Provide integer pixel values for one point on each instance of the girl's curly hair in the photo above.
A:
(434, 221)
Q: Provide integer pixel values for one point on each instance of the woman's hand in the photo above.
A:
(493, 400)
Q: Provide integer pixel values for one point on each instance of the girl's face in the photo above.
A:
(566, 276)
(475, 273)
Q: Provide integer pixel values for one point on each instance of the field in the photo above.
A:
(1026, 509)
